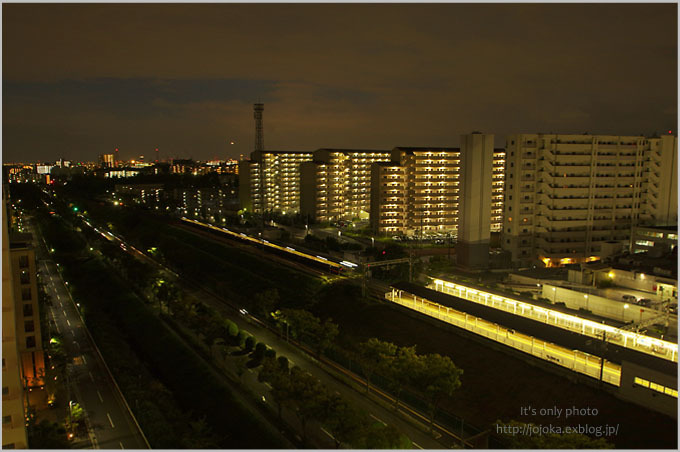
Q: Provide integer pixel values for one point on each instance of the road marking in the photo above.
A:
(250, 370)
(68, 323)
(100, 396)
(379, 420)
(76, 344)
(416, 445)
(121, 445)
(91, 377)
(64, 312)
(109, 416)
(324, 430)
(268, 385)
(84, 360)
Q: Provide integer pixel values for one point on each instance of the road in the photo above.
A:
(111, 425)
(411, 424)
(418, 435)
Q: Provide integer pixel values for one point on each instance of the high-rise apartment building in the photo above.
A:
(13, 423)
(417, 192)
(497, 190)
(29, 338)
(270, 181)
(388, 198)
(420, 189)
(565, 195)
(337, 183)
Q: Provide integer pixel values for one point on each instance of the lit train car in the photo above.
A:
(314, 261)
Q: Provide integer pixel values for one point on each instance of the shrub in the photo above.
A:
(241, 338)
(260, 350)
(231, 327)
(249, 343)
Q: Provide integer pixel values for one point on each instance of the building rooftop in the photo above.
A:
(427, 148)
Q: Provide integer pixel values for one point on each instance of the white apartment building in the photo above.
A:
(337, 183)
(565, 195)
(270, 181)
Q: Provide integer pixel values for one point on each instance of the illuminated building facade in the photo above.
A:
(28, 334)
(566, 195)
(388, 198)
(13, 424)
(426, 179)
(497, 190)
(106, 161)
(418, 191)
(337, 183)
(270, 181)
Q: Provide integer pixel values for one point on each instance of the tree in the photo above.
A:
(47, 435)
(380, 436)
(308, 396)
(547, 441)
(201, 436)
(438, 378)
(258, 354)
(403, 371)
(326, 334)
(345, 422)
(264, 302)
(303, 324)
(375, 354)
(278, 376)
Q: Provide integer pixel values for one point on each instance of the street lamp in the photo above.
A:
(586, 297)
(372, 242)
(554, 294)
(623, 312)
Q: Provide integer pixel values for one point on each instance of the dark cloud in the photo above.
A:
(80, 79)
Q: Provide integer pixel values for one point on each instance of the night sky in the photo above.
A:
(82, 79)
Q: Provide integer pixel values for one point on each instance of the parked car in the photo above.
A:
(644, 302)
(629, 298)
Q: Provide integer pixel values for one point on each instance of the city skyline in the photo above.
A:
(183, 78)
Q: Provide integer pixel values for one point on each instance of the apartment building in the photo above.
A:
(28, 334)
(566, 195)
(270, 181)
(13, 423)
(337, 183)
(389, 206)
(416, 193)
(497, 190)
(429, 185)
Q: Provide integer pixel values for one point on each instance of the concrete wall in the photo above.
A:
(601, 306)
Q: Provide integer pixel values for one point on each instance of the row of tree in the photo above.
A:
(303, 394)
(432, 375)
